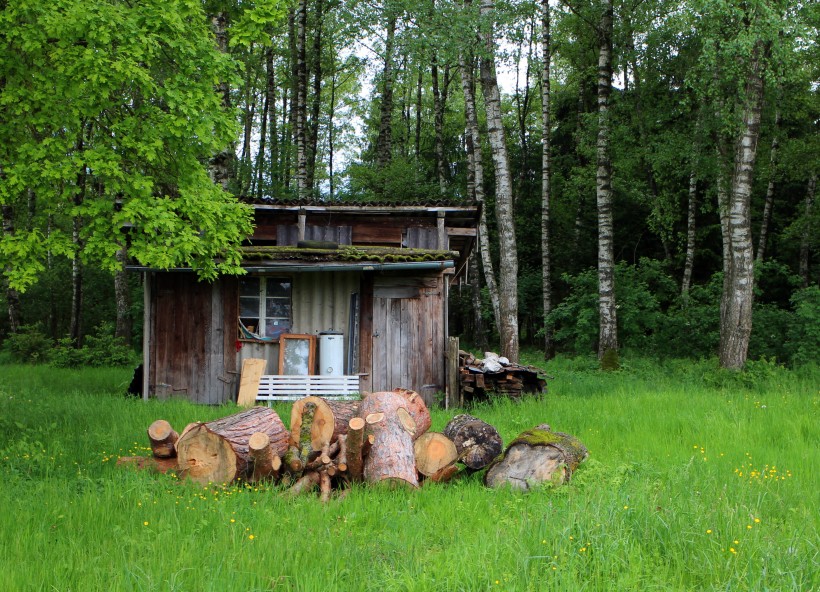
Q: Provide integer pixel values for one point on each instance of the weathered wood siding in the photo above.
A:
(408, 334)
(192, 353)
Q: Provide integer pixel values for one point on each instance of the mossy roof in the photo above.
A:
(345, 254)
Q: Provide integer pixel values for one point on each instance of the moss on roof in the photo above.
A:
(346, 253)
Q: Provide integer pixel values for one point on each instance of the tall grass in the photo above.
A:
(697, 480)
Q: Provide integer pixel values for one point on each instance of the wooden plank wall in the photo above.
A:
(192, 354)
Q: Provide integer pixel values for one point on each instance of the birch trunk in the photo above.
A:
(221, 165)
(475, 164)
(608, 330)
(807, 231)
(508, 250)
(767, 204)
(736, 320)
(316, 104)
(546, 175)
(688, 266)
(438, 124)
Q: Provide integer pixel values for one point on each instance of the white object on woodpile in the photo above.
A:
(492, 365)
(504, 361)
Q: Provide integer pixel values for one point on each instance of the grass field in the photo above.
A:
(697, 480)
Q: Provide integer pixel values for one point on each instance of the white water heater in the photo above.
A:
(331, 353)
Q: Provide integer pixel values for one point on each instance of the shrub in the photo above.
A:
(29, 345)
(100, 349)
(803, 333)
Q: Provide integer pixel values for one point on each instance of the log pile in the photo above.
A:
(383, 439)
(496, 376)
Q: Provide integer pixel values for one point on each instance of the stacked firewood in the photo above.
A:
(384, 439)
(496, 375)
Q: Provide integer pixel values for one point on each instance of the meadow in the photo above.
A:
(697, 480)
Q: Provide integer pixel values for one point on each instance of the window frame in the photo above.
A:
(261, 317)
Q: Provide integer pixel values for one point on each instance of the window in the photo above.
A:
(264, 307)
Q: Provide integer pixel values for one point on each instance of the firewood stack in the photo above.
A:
(383, 439)
(495, 375)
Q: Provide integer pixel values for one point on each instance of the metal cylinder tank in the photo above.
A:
(331, 353)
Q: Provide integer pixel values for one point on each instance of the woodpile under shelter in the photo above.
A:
(331, 289)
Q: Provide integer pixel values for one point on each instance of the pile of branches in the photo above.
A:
(384, 438)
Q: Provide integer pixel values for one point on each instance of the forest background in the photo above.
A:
(647, 180)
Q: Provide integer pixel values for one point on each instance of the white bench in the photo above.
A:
(277, 387)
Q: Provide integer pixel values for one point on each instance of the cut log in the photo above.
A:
(418, 410)
(355, 440)
(444, 474)
(163, 439)
(291, 460)
(330, 419)
(434, 451)
(477, 442)
(306, 448)
(390, 459)
(150, 463)
(324, 487)
(537, 456)
(218, 451)
(266, 463)
(306, 483)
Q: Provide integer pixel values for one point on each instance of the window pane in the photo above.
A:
(275, 327)
(277, 307)
(249, 286)
(278, 287)
(249, 307)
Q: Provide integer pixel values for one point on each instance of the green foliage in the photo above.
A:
(804, 330)
(29, 345)
(99, 350)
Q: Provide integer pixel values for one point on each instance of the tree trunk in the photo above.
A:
(476, 165)
(12, 296)
(508, 263)
(330, 419)
(384, 142)
(438, 125)
(767, 204)
(477, 442)
(316, 105)
(417, 408)
(691, 212)
(163, 439)
(222, 164)
(75, 325)
(302, 188)
(433, 452)
(391, 457)
(536, 456)
(122, 295)
(608, 330)
(546, 176)
(806, 235)
(738, 296)
(479, 334)
(218, 451)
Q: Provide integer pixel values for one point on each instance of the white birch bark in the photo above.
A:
(769, 202)
(546, 176)
(508, 250)
(807, 231)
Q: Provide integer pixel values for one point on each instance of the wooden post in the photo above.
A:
(453, 393)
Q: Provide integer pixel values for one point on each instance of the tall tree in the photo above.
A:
(546, 174)
(508, 250)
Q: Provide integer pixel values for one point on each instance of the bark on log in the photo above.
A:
(477, 442)
(443, 475)
(307, 482)
(536, 456)
(433, 452)
(391, 457)
(418, 410)
(330, 419)
(266, 463)
(163, 439)
(218, 452)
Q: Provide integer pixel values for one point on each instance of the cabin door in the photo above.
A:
(408, 334)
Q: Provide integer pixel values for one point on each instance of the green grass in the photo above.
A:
(686, 464)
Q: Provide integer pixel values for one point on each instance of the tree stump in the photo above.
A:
(266, 463)
(536, 456)
(391, 458)
(434, 451)
(163, 439)
(329, 420)
(477, 442)
(218, 451)
(418, 410)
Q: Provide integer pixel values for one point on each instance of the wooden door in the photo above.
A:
(408, 334)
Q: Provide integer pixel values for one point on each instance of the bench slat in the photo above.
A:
(274, 387)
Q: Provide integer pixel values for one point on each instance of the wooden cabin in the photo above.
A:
(331, 289)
